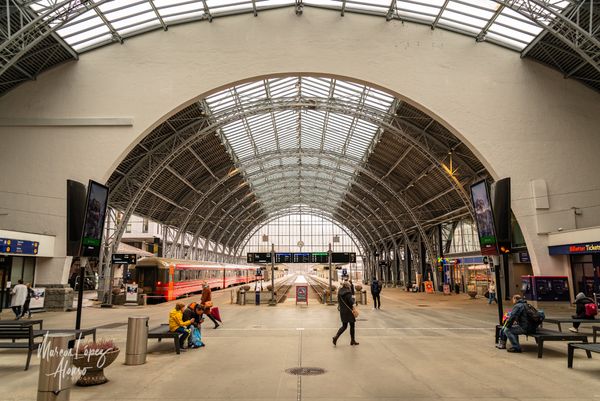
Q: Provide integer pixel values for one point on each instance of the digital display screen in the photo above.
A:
(302, 257)
(484, 218)
(95, 212)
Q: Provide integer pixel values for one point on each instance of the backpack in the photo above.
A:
(534, 317)
(591, 309)
(375, 287)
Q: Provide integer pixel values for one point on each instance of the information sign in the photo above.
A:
(19, 247)
(302, 294)
(343, 257)
(259, 257)
(429, 287)
(446, 289)
(124, 259)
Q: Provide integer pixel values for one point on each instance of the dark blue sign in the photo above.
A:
(575, 249)
(524, 257)
(19, 247)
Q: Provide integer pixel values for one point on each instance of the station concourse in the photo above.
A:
(156, 152)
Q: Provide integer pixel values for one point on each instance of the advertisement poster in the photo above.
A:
(429, 287)
(37, 300)
(484, 218)
(94, 219)
(131, 293)
(302, 294)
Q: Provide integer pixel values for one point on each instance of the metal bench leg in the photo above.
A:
(177, 349)
(159, 339)
(28, 359)
(588, 352)
(570, 350)
(559, 328)
(540, 347)
(94, 335)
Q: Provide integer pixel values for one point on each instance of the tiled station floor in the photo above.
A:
(417, 347)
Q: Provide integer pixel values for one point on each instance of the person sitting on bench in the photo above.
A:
(177, 325)
(519, 316)
(582, 311)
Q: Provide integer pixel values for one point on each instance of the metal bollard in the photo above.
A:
(56, 368)
(363, 296)
(137, 340)
(242, 297)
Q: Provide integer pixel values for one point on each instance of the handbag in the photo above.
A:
(355, 311)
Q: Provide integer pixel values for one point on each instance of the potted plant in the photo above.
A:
(93, 357)
(472, 290)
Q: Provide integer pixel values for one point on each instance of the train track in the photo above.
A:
(283, 288)
(318, 286)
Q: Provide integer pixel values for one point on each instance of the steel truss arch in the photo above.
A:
(238, 247)
(287, 212)
(326, 206)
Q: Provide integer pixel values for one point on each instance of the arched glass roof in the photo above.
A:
(114, 20)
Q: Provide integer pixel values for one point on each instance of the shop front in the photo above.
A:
(584, 260)
(13, 269)
(470, 273)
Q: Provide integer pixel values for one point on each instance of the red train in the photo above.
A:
(169, 279)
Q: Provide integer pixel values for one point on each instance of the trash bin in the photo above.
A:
(363, 297)
(137, 340)
(242, 297)
(53, 386)
(257, 297)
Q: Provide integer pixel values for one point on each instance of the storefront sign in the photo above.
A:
(574, 249)
(19, 247)
(37, 300)
(123, 259)
(131, 293)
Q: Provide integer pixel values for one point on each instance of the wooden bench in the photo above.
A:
(161, 332)
(589, 348)
(543, 335)
(19, 331)
(559, 321)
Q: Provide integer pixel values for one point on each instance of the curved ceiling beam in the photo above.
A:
(153, 166)
(287, 212)
(272, 188)
(322, 193)
(551, 19)
(346, 216)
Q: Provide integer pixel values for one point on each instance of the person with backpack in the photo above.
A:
(586, 309)
(375, 291)
(523, 319)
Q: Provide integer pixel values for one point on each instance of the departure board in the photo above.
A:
(302, 257)
(19, 247)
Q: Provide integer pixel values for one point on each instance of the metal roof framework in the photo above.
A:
(229, 163)
(38, 34)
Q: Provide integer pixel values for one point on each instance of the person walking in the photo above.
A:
(26, 309)
(19, 296)
(178, 325)
(206, 302)
(582, 310)
(346, 315)
(492, 293)
(375, 291)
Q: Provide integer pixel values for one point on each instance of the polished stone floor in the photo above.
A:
(417, 347)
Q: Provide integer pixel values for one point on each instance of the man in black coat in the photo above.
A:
(345, 307)
(580, 302)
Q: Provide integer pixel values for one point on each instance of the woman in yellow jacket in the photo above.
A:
(177, 325)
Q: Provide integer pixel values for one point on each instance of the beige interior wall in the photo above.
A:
(523, 119)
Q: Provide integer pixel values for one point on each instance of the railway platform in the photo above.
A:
(417, 347)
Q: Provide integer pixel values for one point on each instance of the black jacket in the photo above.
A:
(189, 313)
(345, 305)
(580, 311)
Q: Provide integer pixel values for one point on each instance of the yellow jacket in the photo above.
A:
(176, 320)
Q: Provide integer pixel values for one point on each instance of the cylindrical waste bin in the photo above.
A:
(56, 366)
(242, 297)
(257, 297)
(363, 297)
(137, 340)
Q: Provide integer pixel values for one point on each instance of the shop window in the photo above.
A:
(17, 269)
(29, 270)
